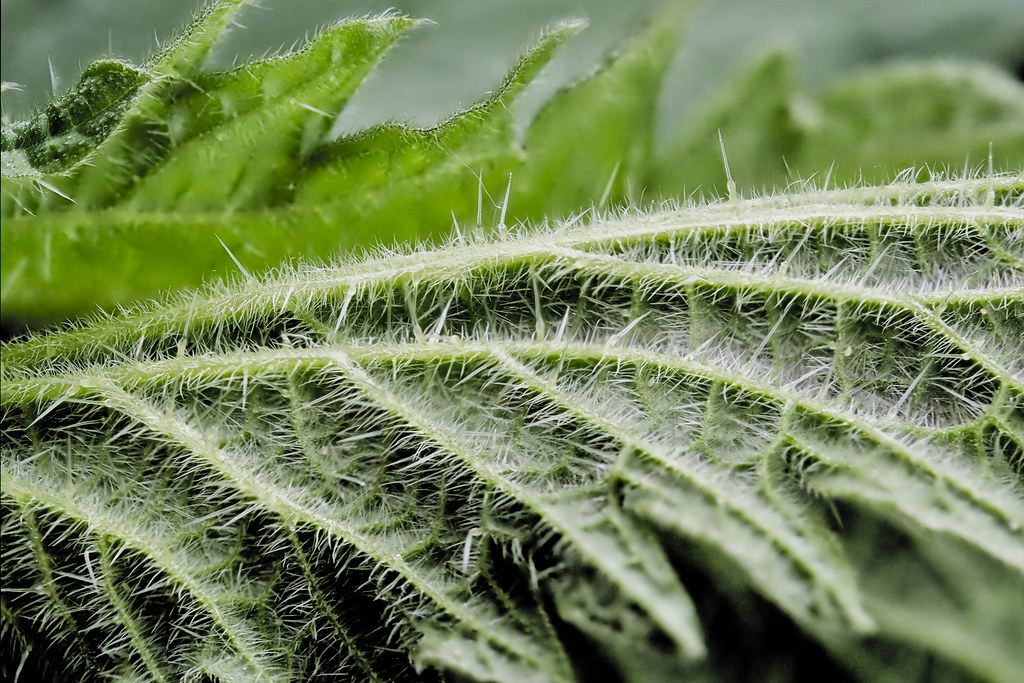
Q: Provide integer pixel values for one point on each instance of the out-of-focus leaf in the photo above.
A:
(593, 141)
(888, 120)
(754, 119)
(871, 127)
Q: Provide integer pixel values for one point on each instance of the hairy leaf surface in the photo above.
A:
(740, 439)
(566, 452)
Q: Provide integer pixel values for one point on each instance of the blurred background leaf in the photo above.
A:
(476, 41)
(802, 50)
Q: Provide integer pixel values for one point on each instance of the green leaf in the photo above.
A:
(599, 159)
(73, 124)
(947, 115)
(140, 137)
(867, 128)
(210, 172)
(167, 175)
(241, 140)
(753, 117)
(567, 452)
(422, 180)
(753, 438)
(200, 158)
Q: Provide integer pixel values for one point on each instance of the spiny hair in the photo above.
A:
(482, 459)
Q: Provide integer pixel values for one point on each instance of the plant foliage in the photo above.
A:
(713, 440)
(495, 452)
(145, 178)
(212, 169)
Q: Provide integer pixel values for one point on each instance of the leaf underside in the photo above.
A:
(750, 439)
(627, 449)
